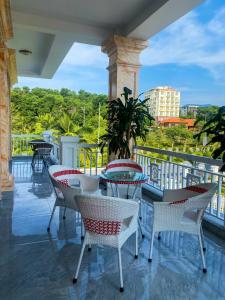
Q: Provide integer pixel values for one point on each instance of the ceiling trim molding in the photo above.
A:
(81, 33)
(6, 28)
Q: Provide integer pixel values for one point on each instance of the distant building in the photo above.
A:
(170, 122)
(189, 110)
(163, 102)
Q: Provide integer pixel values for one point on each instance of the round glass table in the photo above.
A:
(124, 177)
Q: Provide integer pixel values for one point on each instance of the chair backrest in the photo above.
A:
(67, 191)
(123, 165)
(74, 177)
(105, 215)
(203, 194)
(196, 197)
(65, 174)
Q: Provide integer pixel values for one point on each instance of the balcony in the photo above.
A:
(34, 262)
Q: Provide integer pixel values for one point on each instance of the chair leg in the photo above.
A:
(64, 213)
(140, 212)
(136, 244)
(79, 262)
(82, 229)
(151, 247)
(121, 271)
(50, 221)
(202, 237)
(202, 253)
(139, 225)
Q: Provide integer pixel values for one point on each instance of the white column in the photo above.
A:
(124, 63)
(69, 147)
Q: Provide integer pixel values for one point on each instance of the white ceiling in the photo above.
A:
(49, 27)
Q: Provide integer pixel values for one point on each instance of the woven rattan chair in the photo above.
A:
(183, 210)
(108, 221)
(67, 184)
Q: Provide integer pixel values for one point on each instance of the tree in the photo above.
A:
(214, 128)
(128, 120)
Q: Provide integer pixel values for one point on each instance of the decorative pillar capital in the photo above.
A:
(124, 63)
(122, 50)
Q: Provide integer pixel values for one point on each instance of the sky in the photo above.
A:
(188, 55)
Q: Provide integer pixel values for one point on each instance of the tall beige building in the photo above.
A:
(164, 102)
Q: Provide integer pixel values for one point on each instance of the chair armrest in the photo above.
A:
(167, 215)
(88, 183)
(177, 195)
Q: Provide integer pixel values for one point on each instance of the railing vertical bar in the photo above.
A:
(173, 177)
(219, 197)
(212, 202)
(90, 171)
(178, 177)
(96, 162)
(161, 174)
(169, 174)
(85, 160)
(183, 177)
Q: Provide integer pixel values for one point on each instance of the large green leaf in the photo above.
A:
(214, 128)
(128, 119)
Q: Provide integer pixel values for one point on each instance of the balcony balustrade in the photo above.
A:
(176, 170)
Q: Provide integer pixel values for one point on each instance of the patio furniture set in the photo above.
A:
(110, 220)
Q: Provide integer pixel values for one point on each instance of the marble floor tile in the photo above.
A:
(37, 265)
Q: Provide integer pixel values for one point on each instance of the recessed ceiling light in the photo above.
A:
(25, 51)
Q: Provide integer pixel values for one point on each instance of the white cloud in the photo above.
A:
(188, 41)
(86, 55)
(191, 42)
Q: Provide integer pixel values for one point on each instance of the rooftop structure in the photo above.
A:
(170, 122)
(189, 109)
(164, 102)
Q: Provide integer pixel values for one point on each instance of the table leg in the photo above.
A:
(117, 190)
(135, 190)
(113, 194)
(128, 191)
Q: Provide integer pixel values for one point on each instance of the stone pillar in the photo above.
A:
(8, 77)
(6, 178)
(124, 63)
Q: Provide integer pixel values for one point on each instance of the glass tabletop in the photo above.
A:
(126, 177)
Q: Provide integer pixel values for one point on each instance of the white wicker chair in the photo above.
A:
(183, 210)
(67, 183)
(108, 221)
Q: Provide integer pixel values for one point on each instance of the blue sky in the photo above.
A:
(188, 55)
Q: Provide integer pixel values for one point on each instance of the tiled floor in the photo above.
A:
(37, 265)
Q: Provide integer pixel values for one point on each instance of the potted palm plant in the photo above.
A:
(214, 128)
(128, 119)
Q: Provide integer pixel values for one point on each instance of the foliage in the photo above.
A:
(128, 120)
(205, 113)
(214, 128)
(61, 111)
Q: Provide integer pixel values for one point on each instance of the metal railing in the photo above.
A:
(20, 145)
(166, 169)
(174, 170)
